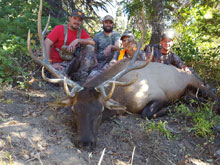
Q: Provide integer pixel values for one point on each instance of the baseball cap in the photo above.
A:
(108, 18)
(128, 34)
(78, 13)
(169, 34)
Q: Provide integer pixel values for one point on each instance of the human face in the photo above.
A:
(75, 22)
(166, 44)
(108, 26)
(125, 41)
(129, 45)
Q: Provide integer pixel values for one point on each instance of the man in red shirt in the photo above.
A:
(55, 39)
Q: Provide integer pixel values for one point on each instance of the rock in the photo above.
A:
(34, 114)
(79, 151)
(26, 157)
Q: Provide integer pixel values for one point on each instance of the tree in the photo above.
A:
(120, 22)
(154, 16)
(157, 21)
(55, 9)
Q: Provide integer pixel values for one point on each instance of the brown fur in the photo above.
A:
(155, 82)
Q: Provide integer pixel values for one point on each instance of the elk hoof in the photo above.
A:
(145, 116)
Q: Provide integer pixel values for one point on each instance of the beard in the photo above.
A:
(107, 29)
(75, 26)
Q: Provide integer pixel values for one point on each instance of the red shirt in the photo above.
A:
(57, 36)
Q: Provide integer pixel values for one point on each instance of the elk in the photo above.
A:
(155, 85)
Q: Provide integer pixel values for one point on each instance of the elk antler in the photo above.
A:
(45, 62)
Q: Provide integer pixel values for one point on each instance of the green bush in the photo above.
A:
(198, 41)
(17, 17)
(203, 118)
(160, 127)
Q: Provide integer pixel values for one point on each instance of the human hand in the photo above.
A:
(108, 50)
(72, 45)
(186, 69)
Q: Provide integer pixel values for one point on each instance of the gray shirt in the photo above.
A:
(102, 41)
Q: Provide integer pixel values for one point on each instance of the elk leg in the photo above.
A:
(152, 108)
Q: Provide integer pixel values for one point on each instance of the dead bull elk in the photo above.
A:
(156, 85)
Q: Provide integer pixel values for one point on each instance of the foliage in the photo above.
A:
(198, 40)
(159, 127)
(21, 16)
(120, 22)
(200, 120)
(203, 118)
(10, 50)
(197, 26)
(63, 8)
(17, 17)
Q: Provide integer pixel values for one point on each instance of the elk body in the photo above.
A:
(155, 85)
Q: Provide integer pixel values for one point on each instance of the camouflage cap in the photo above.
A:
(108, 18)
(128, 34)
(78, 13)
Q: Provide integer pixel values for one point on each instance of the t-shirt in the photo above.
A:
(102, 41)
(57, 36)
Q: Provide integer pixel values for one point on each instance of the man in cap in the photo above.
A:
(163, 54)
(107, 41)
(64, 39)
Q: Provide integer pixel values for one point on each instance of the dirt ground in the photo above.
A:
(32, 132)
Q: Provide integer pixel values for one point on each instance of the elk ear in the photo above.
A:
(63, 103)
(114, 105)
(67, 102)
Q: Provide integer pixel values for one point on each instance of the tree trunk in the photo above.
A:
(157, 22)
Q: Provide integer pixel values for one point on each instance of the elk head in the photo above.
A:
(87, 103)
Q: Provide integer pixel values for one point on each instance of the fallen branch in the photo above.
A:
(100, 160)
(38, 154)
(89, 156)
(132, 158)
